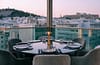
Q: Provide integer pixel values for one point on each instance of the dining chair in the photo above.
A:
(13, 42)
(7, 58)
(51, 60)
(91, 58)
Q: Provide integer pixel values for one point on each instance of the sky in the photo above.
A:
(60, 7)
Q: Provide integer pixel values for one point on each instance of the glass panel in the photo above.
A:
(65, 33)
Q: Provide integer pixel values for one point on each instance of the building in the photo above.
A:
(4, 33)
(79, 15)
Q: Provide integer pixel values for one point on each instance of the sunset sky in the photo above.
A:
(60, 7)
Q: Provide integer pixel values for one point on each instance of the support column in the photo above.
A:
(49, 21)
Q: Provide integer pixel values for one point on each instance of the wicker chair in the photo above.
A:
(51, 60)
(91, 58)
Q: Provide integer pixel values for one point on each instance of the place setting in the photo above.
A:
(22, 47)
(72, 45)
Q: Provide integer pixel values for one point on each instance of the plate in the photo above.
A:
(77, 44)
(21, 46)
(73, 46)
(34, 41)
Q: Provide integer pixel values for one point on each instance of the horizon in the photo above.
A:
(63, 15)
(60, 7)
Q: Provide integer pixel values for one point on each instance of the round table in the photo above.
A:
(37, 47)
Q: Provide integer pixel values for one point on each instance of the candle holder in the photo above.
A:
(49, 43)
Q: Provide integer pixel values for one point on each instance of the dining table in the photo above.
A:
(40, 47)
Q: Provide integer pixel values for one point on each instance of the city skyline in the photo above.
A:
(60, 7)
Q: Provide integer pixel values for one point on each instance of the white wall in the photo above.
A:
(25, 34)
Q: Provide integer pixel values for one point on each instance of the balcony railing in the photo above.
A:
(91, 36)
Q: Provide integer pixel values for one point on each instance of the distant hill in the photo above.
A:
(15, 13)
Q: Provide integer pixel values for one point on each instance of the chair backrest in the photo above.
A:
(12, 42)
(6, 58)
(91, 58)
(51, 60)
